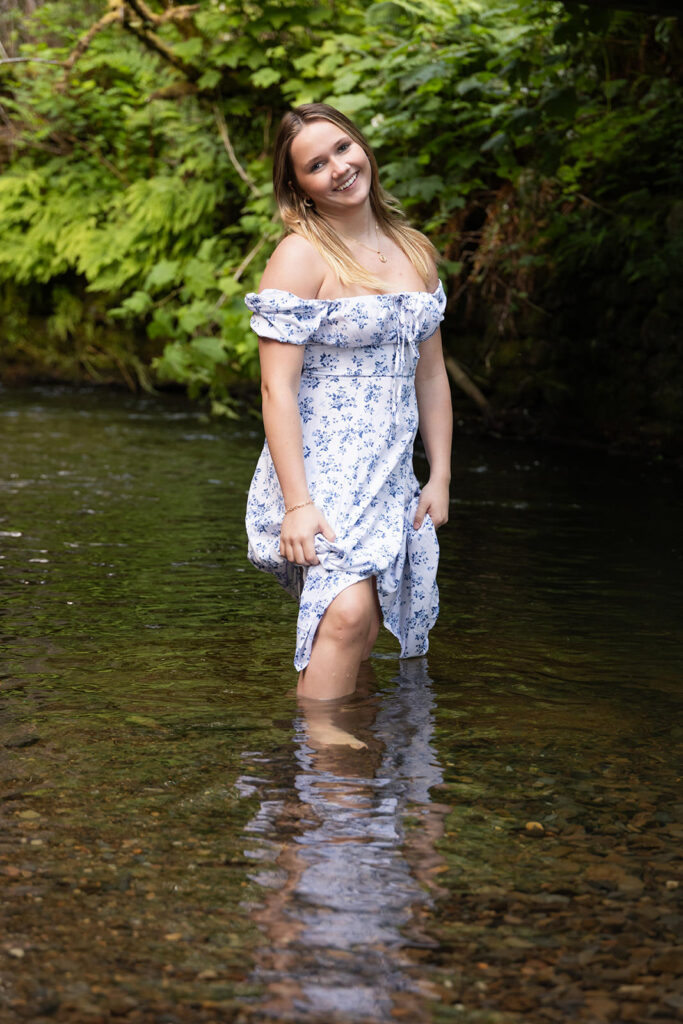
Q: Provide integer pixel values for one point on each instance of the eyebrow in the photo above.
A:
(314, 159)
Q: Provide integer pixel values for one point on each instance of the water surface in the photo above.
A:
(182, 842)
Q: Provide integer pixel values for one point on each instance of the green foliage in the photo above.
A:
(540, 148)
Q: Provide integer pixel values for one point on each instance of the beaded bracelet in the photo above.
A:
(303, 504)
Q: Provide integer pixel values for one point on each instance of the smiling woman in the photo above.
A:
(334, 509)
(329, 165)
(327, 188)
(335, 173)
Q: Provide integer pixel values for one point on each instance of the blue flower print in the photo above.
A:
(359, 419)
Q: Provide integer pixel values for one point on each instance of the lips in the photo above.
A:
(348, 183)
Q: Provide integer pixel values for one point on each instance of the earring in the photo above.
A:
(309, 202)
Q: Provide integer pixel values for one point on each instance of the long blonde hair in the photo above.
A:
(300, 219)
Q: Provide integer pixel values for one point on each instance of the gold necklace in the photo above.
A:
(380, 254)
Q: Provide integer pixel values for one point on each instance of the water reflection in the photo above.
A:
(351, 858)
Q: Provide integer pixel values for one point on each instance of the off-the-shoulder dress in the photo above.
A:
(359, 419)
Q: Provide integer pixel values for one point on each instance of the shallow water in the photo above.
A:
(182, 842)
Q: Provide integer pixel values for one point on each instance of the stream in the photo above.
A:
(180, 842)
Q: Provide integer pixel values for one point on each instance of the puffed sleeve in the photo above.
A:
(283, 316)
(440, 297)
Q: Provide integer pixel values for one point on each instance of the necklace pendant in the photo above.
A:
(382, 257)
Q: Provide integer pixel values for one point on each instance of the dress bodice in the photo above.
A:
(359, 335)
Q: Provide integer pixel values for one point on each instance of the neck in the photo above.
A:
(359, 224)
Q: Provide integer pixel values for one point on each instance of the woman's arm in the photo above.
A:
(294, 267)
(436, 429)
(280, 374)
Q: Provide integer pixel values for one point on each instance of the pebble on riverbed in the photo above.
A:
(21, 740)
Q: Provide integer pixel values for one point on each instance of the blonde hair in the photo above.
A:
(301, 219)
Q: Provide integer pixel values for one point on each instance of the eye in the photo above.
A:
(344, 146)
(315, 166)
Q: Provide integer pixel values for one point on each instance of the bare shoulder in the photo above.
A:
(429, 252)
(295, 267)
(432, 281)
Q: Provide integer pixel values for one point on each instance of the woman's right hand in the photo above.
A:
(297, 535)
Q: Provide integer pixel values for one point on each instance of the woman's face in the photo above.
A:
(330, 167)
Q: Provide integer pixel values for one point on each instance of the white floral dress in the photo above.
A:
(359, 419)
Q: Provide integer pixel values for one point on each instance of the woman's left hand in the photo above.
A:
(433, 499)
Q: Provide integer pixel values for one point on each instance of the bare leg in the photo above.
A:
(339, 644)
(333, 723)
(375, 623)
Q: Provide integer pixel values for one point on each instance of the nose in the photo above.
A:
(340, 165)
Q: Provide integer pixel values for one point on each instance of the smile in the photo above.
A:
(348, 183)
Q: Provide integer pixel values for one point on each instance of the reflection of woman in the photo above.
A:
(334, 510)
(351, 844)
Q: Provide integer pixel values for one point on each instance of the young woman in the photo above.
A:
(348, 317)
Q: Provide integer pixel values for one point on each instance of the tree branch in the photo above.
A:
(223, 131)
(250, 255)
(153, 42)
(33, 60)
(115, 14)
(119, 10)
(170, 14)
(467, 385)
(5, 118)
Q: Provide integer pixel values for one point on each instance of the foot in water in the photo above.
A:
(326, 734)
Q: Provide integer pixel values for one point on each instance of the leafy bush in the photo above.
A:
(540, 146)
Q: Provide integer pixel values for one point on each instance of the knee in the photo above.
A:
(349, 617)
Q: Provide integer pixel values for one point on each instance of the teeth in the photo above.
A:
(347, 183)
